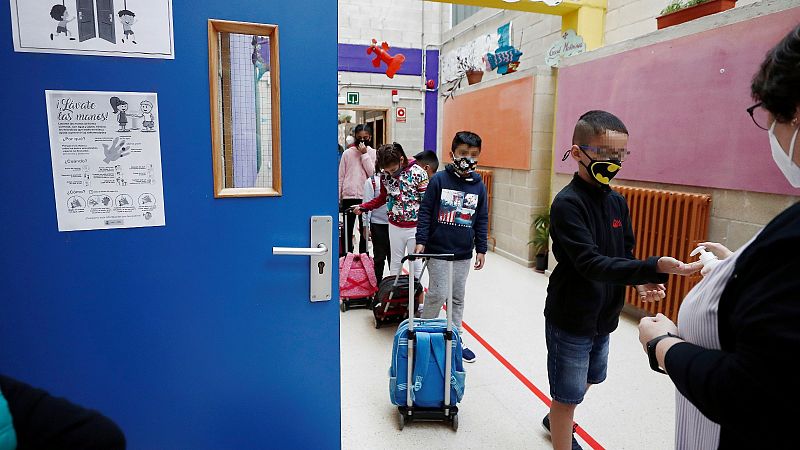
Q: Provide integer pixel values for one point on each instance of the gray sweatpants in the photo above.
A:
(438, 272)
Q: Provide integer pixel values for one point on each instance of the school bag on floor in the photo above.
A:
(428, 352)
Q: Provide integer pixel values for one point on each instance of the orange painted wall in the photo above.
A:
(503, 117)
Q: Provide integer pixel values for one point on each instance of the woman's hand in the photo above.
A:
(719, 250)
(653, 327)
(362, 148)
(419, 248)
(357, 210)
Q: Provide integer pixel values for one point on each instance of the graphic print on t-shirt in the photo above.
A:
(457, 208)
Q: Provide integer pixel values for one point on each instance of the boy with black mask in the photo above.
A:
(593, 242)
(454, 218)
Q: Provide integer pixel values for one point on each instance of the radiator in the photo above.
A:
(488, 179)
(666, 223)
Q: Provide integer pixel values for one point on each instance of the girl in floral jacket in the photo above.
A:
(402, 188)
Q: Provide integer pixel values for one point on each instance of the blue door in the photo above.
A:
(192, 335)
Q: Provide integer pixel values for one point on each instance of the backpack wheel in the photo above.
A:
(343, 306)
(455, 422)
(402, 421)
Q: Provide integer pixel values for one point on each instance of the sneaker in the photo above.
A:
(546, 426)
(467, 355)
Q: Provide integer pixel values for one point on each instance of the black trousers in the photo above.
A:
(380, 247)
(350, 220)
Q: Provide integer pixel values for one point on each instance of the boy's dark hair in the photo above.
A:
(777, 83)
(595, 123)
(390, 154)
(57, 12)
(362, 127)
(428, 157)
(126, 12)
(466, 137)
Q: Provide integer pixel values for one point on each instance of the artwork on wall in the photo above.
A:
(506, 58)
(106, 154)
(128, 28)
(393, 63)
(569, 44)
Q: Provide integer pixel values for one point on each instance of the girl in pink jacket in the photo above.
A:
(356, 165)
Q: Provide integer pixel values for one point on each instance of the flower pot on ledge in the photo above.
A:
(474, 76)
(694, 12)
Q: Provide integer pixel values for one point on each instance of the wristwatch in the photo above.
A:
(651, 351)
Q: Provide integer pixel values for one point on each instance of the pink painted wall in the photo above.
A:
(686, 115)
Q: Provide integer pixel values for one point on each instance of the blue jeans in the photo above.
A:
(574, 361)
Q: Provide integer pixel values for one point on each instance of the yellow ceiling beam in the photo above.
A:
(532, 6)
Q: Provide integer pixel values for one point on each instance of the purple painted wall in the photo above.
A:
(684, 103)
(432, 100)
(354, 58)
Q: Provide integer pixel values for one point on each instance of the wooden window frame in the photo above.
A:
(215, 27)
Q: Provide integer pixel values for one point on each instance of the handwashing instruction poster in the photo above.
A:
(106, 154)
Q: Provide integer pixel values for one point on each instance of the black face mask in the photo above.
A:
(366, 142)
(601, 171)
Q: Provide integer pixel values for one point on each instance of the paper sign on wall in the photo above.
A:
(400, 114)
(106, 156)
(570, 44)
(132, 28)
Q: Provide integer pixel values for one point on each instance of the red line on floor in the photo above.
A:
(536, 391)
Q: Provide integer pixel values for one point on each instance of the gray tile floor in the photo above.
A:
(632, 409)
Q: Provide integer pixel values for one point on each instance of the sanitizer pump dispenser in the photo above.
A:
(708, 259)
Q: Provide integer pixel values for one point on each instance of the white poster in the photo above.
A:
(132, 28)
(106, 155)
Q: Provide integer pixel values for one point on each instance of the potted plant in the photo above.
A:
(680, 11)
(541, 240)
(471, 69)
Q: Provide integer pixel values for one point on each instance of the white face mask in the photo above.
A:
(784, 161)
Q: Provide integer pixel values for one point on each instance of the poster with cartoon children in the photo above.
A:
(93, 134)
(129, 28)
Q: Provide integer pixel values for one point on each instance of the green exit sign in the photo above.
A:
(353, 98)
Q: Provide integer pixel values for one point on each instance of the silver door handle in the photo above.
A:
(320, 267)
(320, 250)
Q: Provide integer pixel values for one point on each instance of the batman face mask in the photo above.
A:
(603, 171)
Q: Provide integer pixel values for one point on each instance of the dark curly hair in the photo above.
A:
(777, 83)
(57, 12)
(390, 154)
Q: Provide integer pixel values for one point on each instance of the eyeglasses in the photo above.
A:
(760, 115)
(608, 153)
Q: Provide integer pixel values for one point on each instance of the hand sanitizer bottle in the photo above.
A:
(708, 259)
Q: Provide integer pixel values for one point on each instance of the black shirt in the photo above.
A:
(749, 387)
(593, 242)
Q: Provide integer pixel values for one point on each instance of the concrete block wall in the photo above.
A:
(397, 22)
(628, 19)
(400, 23)
(410, 134)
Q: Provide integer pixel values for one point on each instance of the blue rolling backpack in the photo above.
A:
(428, 352)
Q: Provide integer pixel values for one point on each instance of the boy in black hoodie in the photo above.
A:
(593, 243)
(453, 218)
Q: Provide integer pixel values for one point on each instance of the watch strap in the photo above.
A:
(651, 351)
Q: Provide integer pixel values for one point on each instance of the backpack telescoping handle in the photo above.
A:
(448, 335)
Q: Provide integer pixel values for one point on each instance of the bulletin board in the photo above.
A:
(502, 115)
